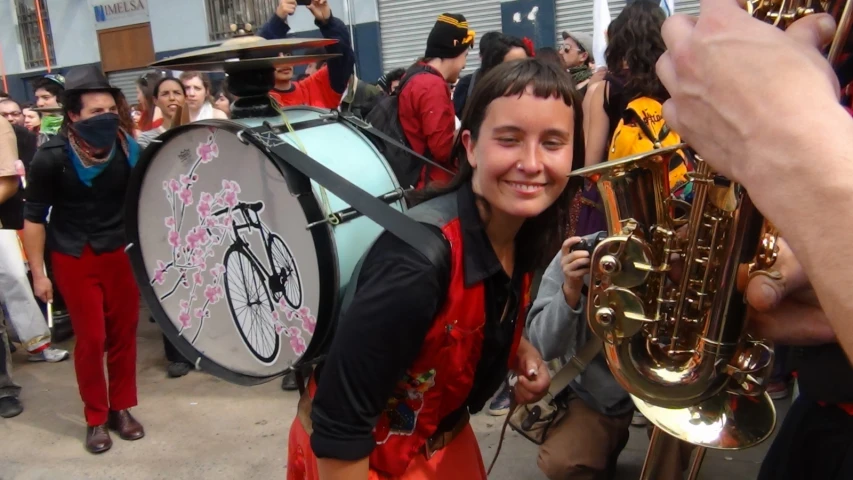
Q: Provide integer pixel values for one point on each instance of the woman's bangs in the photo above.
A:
(541, 80)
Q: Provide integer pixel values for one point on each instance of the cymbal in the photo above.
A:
(243, 48)
(237, 65)
(48, 109)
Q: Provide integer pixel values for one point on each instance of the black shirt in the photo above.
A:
(80, 214)
(399, 294)
(460, 94)
(824, 374)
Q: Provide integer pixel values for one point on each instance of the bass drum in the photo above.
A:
(231, 247)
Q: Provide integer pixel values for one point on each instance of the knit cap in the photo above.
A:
(449, 37)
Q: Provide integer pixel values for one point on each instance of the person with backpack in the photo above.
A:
(430, 332)
(634, 45)
(421, 116)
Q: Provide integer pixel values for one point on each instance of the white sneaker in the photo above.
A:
(50, 355)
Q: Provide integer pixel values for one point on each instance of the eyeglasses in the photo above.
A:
(11, 114)
(569, 48)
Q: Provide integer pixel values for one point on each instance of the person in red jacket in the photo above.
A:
(426, 341)
(426, 109)
(325, 87)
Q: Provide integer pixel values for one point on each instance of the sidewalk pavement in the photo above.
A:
(200, 427)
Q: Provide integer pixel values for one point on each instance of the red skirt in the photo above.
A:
(460, 460)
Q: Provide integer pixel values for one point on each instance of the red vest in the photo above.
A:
(440, 379)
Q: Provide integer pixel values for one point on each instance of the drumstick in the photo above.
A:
(49, 307)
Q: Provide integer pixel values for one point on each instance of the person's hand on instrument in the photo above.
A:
(575, 266)
(533, 376)
(285, 9)
(783, 305)
(321, 9)
(708, 103)
(43, 288)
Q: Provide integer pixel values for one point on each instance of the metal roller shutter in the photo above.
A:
(576, 15)
(126, 82)
(690, 7)
(406, 25)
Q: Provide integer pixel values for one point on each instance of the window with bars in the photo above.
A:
(222, 13)
(30, 35)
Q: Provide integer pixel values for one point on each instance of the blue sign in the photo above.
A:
(100, 14)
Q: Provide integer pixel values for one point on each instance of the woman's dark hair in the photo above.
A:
(497, 50)
(156, 90)
(146, 85)
(635, 41)
(540, 237)
(549, 54)
(222, 89)
(28, 106)
(72, 102)
(487, 40)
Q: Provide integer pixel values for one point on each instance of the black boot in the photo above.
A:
(10, 407)
(288, 383)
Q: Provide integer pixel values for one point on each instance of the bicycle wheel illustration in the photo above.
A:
(285, 274)
(250, 303)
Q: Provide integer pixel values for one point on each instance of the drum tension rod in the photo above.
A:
(350, 213)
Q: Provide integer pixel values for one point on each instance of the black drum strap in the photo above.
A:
(399, 224)
(370, 130)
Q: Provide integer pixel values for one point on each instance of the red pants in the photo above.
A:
(103, 302)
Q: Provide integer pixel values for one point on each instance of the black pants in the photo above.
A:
(172, 353)
(813, 442)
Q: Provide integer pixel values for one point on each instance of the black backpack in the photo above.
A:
(385, 117)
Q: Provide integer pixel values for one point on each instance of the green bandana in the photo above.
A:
(50, 124)
(580, 74)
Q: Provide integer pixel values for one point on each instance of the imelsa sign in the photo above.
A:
(118, 13)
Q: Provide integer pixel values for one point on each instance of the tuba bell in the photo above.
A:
(663, 293)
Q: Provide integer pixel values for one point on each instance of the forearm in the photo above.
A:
(8, 188)
(276, 28)
(810, 199)
(340, 68)
(330, 469)
(797, 325)
(553, 326)
(34, 237)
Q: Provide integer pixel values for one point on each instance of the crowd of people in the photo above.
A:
(502, 293)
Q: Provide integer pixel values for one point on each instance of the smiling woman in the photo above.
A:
(437, 336)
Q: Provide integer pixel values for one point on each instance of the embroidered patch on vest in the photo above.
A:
(400, 416)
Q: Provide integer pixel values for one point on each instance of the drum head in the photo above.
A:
(223, 256)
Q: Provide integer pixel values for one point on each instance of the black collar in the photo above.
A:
(480, 260)
(58, 140)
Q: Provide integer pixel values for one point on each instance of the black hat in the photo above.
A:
(449, 37)
(87, 78)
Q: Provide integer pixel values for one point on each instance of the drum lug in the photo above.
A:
(350, 213)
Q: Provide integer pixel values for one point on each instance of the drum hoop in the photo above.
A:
(327, 259)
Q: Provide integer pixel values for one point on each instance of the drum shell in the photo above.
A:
(324, 254)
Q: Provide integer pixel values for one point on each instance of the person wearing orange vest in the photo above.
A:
(426, 341)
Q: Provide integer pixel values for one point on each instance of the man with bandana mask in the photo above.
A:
(82, 174)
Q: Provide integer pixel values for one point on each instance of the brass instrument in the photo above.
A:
(663, 292)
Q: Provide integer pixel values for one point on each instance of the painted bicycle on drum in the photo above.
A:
(257, 288)
(253, 289)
